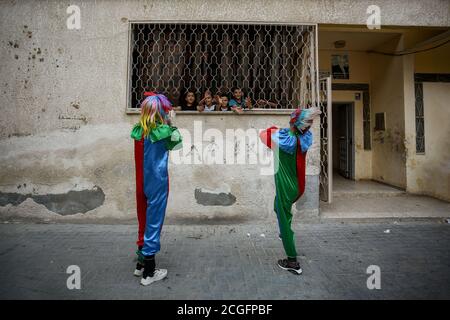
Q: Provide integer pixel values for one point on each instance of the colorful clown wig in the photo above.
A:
(154, 110)
(302, 118)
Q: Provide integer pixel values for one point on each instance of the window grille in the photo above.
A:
(275, 63)
(420, 126)
(366, 120)
(326, 163)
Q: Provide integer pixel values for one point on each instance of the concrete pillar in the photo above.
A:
(410, 122)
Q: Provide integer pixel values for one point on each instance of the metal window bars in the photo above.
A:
(419, 115)
(366, 120)
(270, 62)
(326, 160)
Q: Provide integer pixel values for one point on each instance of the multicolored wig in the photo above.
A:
(302, 118)
(154, 110)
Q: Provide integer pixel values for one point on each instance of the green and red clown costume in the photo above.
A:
(290, 146)
(153, 138)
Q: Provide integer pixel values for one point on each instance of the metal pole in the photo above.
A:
(330, 140)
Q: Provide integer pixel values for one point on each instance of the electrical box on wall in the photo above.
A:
(380, 121)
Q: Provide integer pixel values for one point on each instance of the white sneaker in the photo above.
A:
(159, 274)
(139, 269)
(138, 273)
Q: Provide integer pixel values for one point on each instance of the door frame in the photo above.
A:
(352, 151)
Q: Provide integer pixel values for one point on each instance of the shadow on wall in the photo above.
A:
(65, 204)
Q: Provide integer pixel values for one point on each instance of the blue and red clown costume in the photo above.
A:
(290, 146)
(154, 137)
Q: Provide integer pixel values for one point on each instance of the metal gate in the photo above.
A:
(326, 158)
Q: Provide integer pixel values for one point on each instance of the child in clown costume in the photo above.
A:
(153, 138)
(290, 146)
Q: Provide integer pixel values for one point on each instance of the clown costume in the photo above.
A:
(290, 146)
(153, 138)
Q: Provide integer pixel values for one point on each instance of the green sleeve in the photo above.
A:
(161, 132)
(136, 132)
(175, 141)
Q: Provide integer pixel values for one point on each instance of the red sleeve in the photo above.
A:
(266, 136)
(141, 199)
(301, 170)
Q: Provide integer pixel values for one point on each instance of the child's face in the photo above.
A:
(224, 102)
(208, 99)
(190, 98)
(237, 94)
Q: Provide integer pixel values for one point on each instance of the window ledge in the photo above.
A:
(221, 113)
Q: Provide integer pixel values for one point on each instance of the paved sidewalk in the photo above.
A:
(401, 206)
(367, 199)
(223, 262)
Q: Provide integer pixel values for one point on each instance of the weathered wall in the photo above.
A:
(387, 95)
(63, 164)
(410, 118)
(197, 186)
(358, 65)
(434, 61)
(65, 146)
(55, 78)
(430, 172)
(91, 170)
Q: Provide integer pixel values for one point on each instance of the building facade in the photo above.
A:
(67, 101)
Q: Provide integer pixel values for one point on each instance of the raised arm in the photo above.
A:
(266, 136)
(265, 102)
(248, 103)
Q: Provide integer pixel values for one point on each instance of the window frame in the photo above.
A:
(130, 111)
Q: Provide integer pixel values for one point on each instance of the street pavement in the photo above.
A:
(228, 261)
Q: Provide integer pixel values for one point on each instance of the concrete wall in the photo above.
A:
(358, 66)
(430, 172)
(424, 173)
(388, 149)
(199, 188)
(434, 61)
(387, 96)
(89, 173)
(65, 146)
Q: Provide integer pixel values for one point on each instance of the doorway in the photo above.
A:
(343, 139)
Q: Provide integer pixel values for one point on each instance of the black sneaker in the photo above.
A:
(290, 266)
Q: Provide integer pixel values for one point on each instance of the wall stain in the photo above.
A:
(214, 199)
(69, 203)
